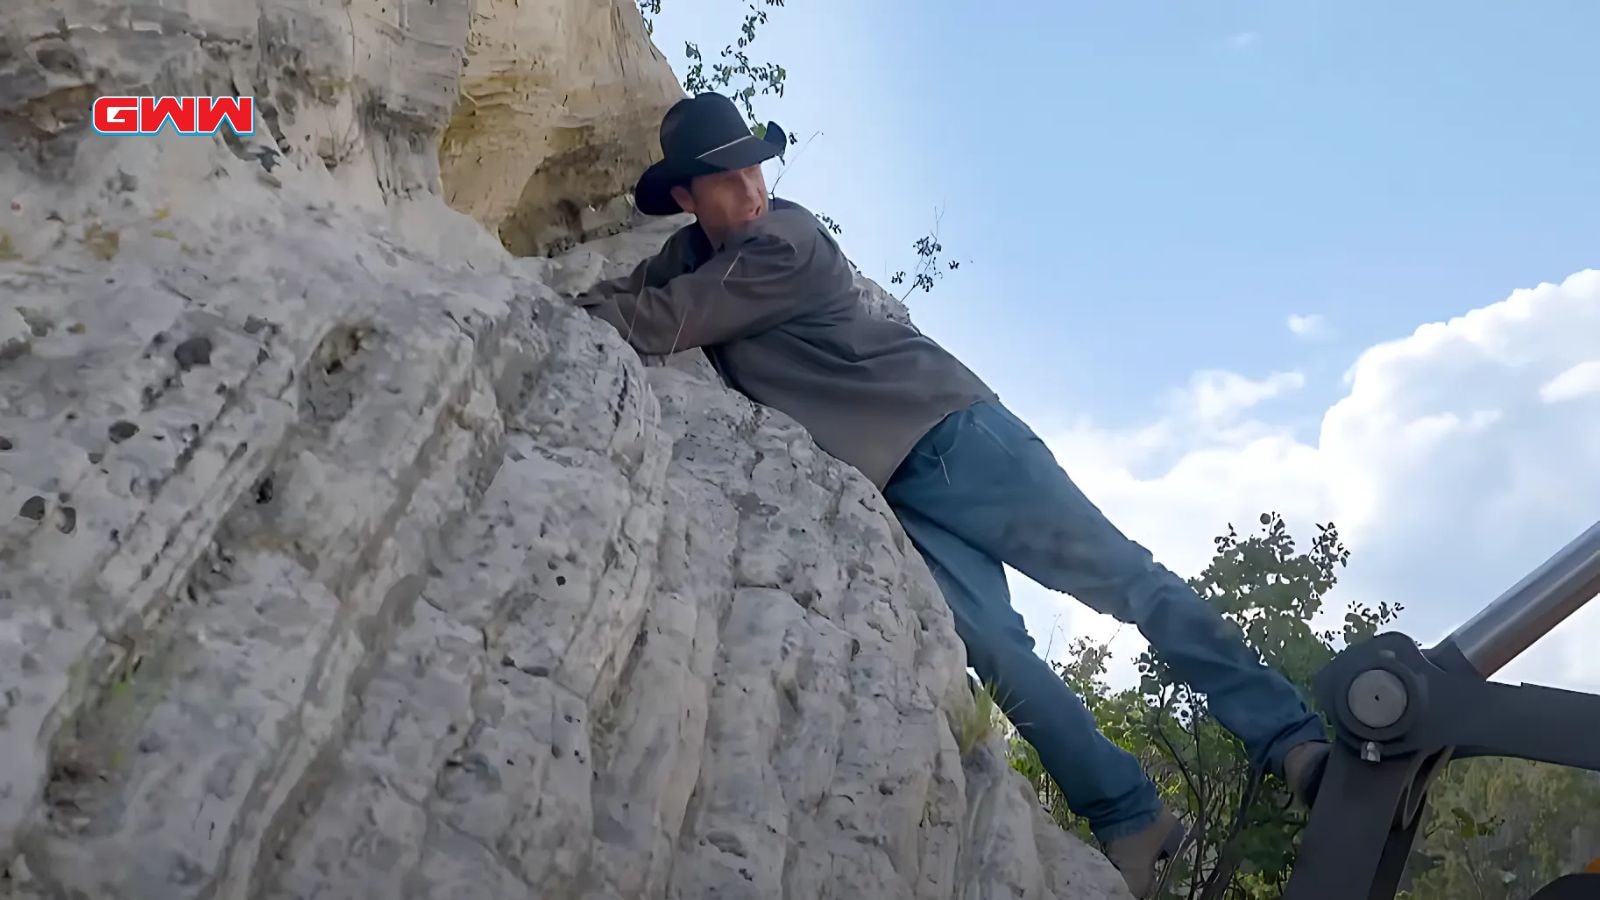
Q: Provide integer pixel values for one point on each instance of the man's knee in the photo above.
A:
(993, 640)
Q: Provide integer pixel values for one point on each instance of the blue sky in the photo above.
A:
(1140, 192)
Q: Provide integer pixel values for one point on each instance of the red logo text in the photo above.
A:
(184, 115)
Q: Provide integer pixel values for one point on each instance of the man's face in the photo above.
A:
(725, 200)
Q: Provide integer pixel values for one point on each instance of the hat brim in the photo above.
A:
(653, 193)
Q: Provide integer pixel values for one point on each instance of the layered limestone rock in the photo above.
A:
(341, 557)
(561, 102)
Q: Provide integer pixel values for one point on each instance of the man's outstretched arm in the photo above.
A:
(756, 282)
(601, 295)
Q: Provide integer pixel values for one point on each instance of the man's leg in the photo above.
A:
(1001, 490)
(1100, 780)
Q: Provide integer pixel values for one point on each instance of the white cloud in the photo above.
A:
(1215, 396)
(1582, 380)
(1309, 325)
(1447, 466)
(1245, 39)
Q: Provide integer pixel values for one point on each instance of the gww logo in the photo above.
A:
(187, 115)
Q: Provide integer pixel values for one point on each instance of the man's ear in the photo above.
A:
(684, 198)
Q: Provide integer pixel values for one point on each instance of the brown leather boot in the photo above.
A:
(1303, 768)
(1144, 856)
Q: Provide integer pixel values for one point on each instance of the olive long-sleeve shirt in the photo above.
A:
(777, 309)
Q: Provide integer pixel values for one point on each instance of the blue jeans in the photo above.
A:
(981, 490)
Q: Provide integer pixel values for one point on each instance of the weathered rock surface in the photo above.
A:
(561, 102)
(341, 557)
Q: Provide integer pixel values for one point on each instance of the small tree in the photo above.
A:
(929, 267)
(733, 73)
(1500, 829)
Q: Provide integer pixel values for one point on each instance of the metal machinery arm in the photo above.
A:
(1401, 714)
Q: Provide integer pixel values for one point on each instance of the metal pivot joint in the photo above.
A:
(1377, 698)
(1400, 715)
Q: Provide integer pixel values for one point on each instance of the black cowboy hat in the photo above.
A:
(702, 135)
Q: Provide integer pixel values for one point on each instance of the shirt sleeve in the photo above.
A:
(753, 284)
(629, 283)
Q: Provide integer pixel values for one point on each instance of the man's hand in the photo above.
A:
(577, 276)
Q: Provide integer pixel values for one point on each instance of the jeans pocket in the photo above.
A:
(943, 439)
(1000, 427)
(998, 440)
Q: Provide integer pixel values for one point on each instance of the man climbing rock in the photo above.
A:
(760, 285)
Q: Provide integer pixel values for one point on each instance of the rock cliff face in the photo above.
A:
(561, 102)
(341, 558)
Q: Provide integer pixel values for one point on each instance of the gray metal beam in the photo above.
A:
(1530, 609)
